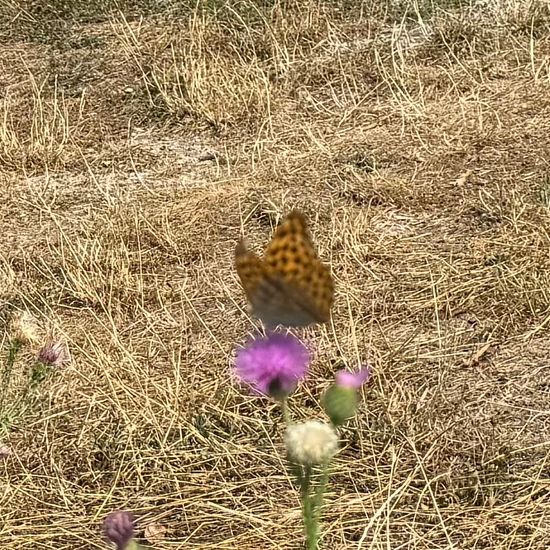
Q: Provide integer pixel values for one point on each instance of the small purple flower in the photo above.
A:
(273, 365)
(353, 380)
(54, 354)
(118, 527)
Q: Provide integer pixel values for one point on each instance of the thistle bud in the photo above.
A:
(342, 398)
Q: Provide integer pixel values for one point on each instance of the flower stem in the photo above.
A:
(286, 412)
(308, 511)
(313, 504)
(320, 492)
(14, 348)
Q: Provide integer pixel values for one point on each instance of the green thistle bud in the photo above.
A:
(340, 404)
(342, 399)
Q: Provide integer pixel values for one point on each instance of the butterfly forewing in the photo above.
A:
(289, 286)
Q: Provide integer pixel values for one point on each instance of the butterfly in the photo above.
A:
(289, 286)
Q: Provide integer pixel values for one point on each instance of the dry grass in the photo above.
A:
(135, 151)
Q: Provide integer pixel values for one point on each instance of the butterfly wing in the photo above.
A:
(289, 286)
(292, 262)
(268, 295)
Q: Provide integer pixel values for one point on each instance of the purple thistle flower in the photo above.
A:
(118, 527)
(54, 354)
(353, 380)
(273, 365)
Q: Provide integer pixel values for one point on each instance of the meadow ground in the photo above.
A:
(139, 141)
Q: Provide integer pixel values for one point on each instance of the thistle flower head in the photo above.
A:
(353, 380)
(273, 365)
(53, 354)
(118, 527)
(312, 442)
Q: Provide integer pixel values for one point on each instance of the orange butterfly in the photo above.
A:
(289, 286)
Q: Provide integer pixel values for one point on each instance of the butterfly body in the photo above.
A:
(289, 285)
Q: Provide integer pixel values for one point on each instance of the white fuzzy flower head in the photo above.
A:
(312, 442)
(24, 328)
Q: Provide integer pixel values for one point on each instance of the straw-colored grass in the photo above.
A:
(138, 144)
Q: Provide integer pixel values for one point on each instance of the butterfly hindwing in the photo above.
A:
(271, 299)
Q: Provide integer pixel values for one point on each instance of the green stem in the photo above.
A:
(14, 348)
(286, 412)
(308, 511)
(313, 506)
(305, 480)
(320, 492)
